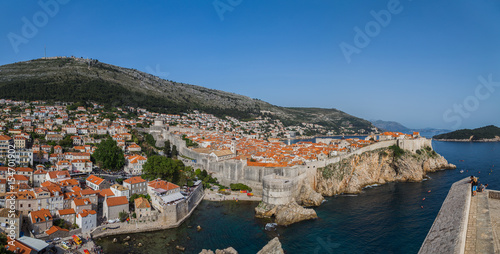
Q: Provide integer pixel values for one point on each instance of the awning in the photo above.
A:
(172, 197)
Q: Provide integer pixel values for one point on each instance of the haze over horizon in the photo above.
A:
(426, 64)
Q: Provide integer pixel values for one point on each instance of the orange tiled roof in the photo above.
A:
(134, 180)
(86, 212)
(66, 211)
(95, 179)
(115, 201)
(141, 203)
(42, 214)
(54, 229)
(162, 184)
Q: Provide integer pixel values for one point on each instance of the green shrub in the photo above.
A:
(239, 186)
(397, 151)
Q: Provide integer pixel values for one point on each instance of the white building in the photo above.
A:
(120, 190)
(86, 220)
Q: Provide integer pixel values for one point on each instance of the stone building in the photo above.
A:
(41, 220)
(113, 206)
(10, 221)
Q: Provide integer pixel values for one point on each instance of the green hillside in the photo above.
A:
(76, 80)
(487, 132)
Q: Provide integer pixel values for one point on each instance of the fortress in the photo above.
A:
(273, 183)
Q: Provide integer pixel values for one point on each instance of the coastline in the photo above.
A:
(469, 140)
(126, 228)
(215, 197)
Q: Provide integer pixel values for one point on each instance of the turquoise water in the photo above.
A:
(383, 219)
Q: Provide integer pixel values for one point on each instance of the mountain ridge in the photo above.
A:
(76, 79)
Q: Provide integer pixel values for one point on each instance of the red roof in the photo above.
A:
(42, 214)
(86, 212)
(134, 180)
(81, 201)
(95, 180)
(67, 211)
(115, 201)
(162, 184)
(17, 246)
(55, 174)
(54, 229)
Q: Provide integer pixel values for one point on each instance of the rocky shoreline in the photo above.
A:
(380, 166)
(272, 247)
(350, 176)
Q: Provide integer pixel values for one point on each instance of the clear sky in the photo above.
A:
(416, 62)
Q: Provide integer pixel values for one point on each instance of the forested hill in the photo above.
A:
(77, 80)
(484, 133)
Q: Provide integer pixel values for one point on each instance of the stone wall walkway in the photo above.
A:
(479, 229)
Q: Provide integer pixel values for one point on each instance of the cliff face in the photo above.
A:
(378, 167)
(307, 196)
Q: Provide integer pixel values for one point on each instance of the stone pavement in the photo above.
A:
(479, 228)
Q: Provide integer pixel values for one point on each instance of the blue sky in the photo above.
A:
(420, 68)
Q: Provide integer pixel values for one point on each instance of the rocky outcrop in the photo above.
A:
(229, 250)
(285, 214)
(378, 167)
(273, 247)
(308, 197)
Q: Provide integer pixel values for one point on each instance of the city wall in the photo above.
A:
(449, 230)
(235, 171)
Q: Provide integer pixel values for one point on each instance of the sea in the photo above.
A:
(390, 218)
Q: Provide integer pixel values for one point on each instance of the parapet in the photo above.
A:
(449, 230)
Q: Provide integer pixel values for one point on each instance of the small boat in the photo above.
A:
(461, 171)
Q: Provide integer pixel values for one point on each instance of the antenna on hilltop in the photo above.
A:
(44, 51)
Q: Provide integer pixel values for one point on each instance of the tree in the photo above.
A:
(162, 167)
(123, 216)
(174, 152)
(3, 242)
(167, 150)
(66, 142)
(109, 155)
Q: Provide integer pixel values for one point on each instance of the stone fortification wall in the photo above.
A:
(414, 144)
(234, 171)
(449, 230)
(277, 190)
(172, 213)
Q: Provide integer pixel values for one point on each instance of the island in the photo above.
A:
(488, 133)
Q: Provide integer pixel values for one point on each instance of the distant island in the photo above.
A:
(488, 133)
(397, 127)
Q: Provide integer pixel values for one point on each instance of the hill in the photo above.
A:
(390, 126)
(80, 80)
(487, 133)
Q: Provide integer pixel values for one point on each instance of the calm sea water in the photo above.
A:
(382, 219)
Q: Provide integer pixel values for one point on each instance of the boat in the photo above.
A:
(461, 171)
